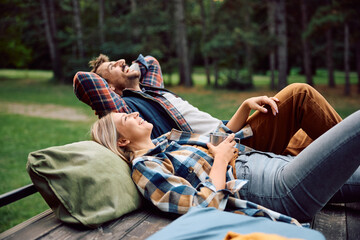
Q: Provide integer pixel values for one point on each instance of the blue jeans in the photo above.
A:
(326, 171)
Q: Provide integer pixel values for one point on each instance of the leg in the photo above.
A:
(297, 143)
(302, 186)
(300, 107)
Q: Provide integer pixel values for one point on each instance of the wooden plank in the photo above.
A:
(138, 224)
(353, 221)
(34, 227)
(110, 230)
(149, 226)
(331, 221)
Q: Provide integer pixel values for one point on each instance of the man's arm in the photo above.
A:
(150, 71)
(93, 90)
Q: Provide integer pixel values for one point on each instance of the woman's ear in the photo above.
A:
(123, 142)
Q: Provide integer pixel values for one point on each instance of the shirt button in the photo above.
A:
(191, 169)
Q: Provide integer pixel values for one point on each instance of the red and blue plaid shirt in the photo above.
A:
(93, 90)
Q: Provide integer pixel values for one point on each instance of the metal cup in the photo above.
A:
(217, 137)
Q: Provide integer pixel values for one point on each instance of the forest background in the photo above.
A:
(232, 40)
(209, 50)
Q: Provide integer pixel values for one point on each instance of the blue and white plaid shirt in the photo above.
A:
(174, 176)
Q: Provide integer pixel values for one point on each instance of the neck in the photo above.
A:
(134, 85)
(145, 145)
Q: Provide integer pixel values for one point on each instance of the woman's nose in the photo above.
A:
(134, 114)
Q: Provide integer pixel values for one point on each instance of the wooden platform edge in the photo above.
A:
(25, 224)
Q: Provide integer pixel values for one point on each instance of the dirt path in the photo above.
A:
(44, 111)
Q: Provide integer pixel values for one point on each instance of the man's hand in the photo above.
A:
(258, 103)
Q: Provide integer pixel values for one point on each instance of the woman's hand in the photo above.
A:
(225, 151)
(257, 103)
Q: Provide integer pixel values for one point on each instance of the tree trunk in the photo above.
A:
(248, 47)
(204, 34)
(346, 59)
(216, 73)
(358, 64)
(182, 45)
(306, 47)
(282, 47)
(329, 57)
(272, 29)
(78, 29)
(101, 22)
(48, 15)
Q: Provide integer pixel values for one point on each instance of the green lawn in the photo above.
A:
(21, 134)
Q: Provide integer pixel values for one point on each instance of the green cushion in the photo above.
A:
(84, 182)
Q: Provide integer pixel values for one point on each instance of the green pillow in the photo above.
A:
(84, 182)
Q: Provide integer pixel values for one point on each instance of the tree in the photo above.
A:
(305, 44)
(329, 57)
(48, 14)
(282, 47)
(78, 29)
(101, 22)
(182, 45)
(346, 59)
(204, 34)
(358, 64)
(271, 7)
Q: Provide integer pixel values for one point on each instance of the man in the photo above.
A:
(140, 88)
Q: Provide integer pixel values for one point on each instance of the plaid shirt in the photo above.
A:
(93, 90)
(174, 176)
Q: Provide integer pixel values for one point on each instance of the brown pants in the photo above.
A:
(304, 115)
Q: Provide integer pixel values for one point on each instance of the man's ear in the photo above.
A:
(123, 142)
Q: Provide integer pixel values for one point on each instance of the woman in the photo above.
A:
(179, 170)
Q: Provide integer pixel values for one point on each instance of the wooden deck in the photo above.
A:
(336, 222)
(339, 221)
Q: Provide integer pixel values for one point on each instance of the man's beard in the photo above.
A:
(132, 81)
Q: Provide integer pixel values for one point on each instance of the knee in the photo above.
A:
(300, 88)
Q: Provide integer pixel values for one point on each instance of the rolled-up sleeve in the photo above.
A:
(93, 90)
(151, 71)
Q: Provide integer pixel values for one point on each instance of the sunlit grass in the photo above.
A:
(38, 75)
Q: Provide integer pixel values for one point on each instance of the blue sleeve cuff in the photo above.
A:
(142, 61)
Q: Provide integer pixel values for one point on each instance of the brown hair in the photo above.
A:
(96, 62)
(104, 132)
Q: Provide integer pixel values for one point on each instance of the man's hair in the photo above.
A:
(96, 62)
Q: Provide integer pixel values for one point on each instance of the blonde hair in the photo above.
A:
(104, 132)
(96, 62)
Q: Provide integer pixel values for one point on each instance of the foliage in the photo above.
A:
(237, 39)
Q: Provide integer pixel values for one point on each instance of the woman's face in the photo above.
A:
(131, 126)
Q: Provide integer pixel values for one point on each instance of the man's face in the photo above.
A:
(119, 75)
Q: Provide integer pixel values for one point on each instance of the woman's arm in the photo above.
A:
(156, 180)
(256, 103)
(223, 153)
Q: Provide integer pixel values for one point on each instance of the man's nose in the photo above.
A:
(120, 62)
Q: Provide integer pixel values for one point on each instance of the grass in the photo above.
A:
(21, 134)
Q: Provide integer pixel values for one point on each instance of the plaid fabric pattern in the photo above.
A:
(93, 90)
(174, 176)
